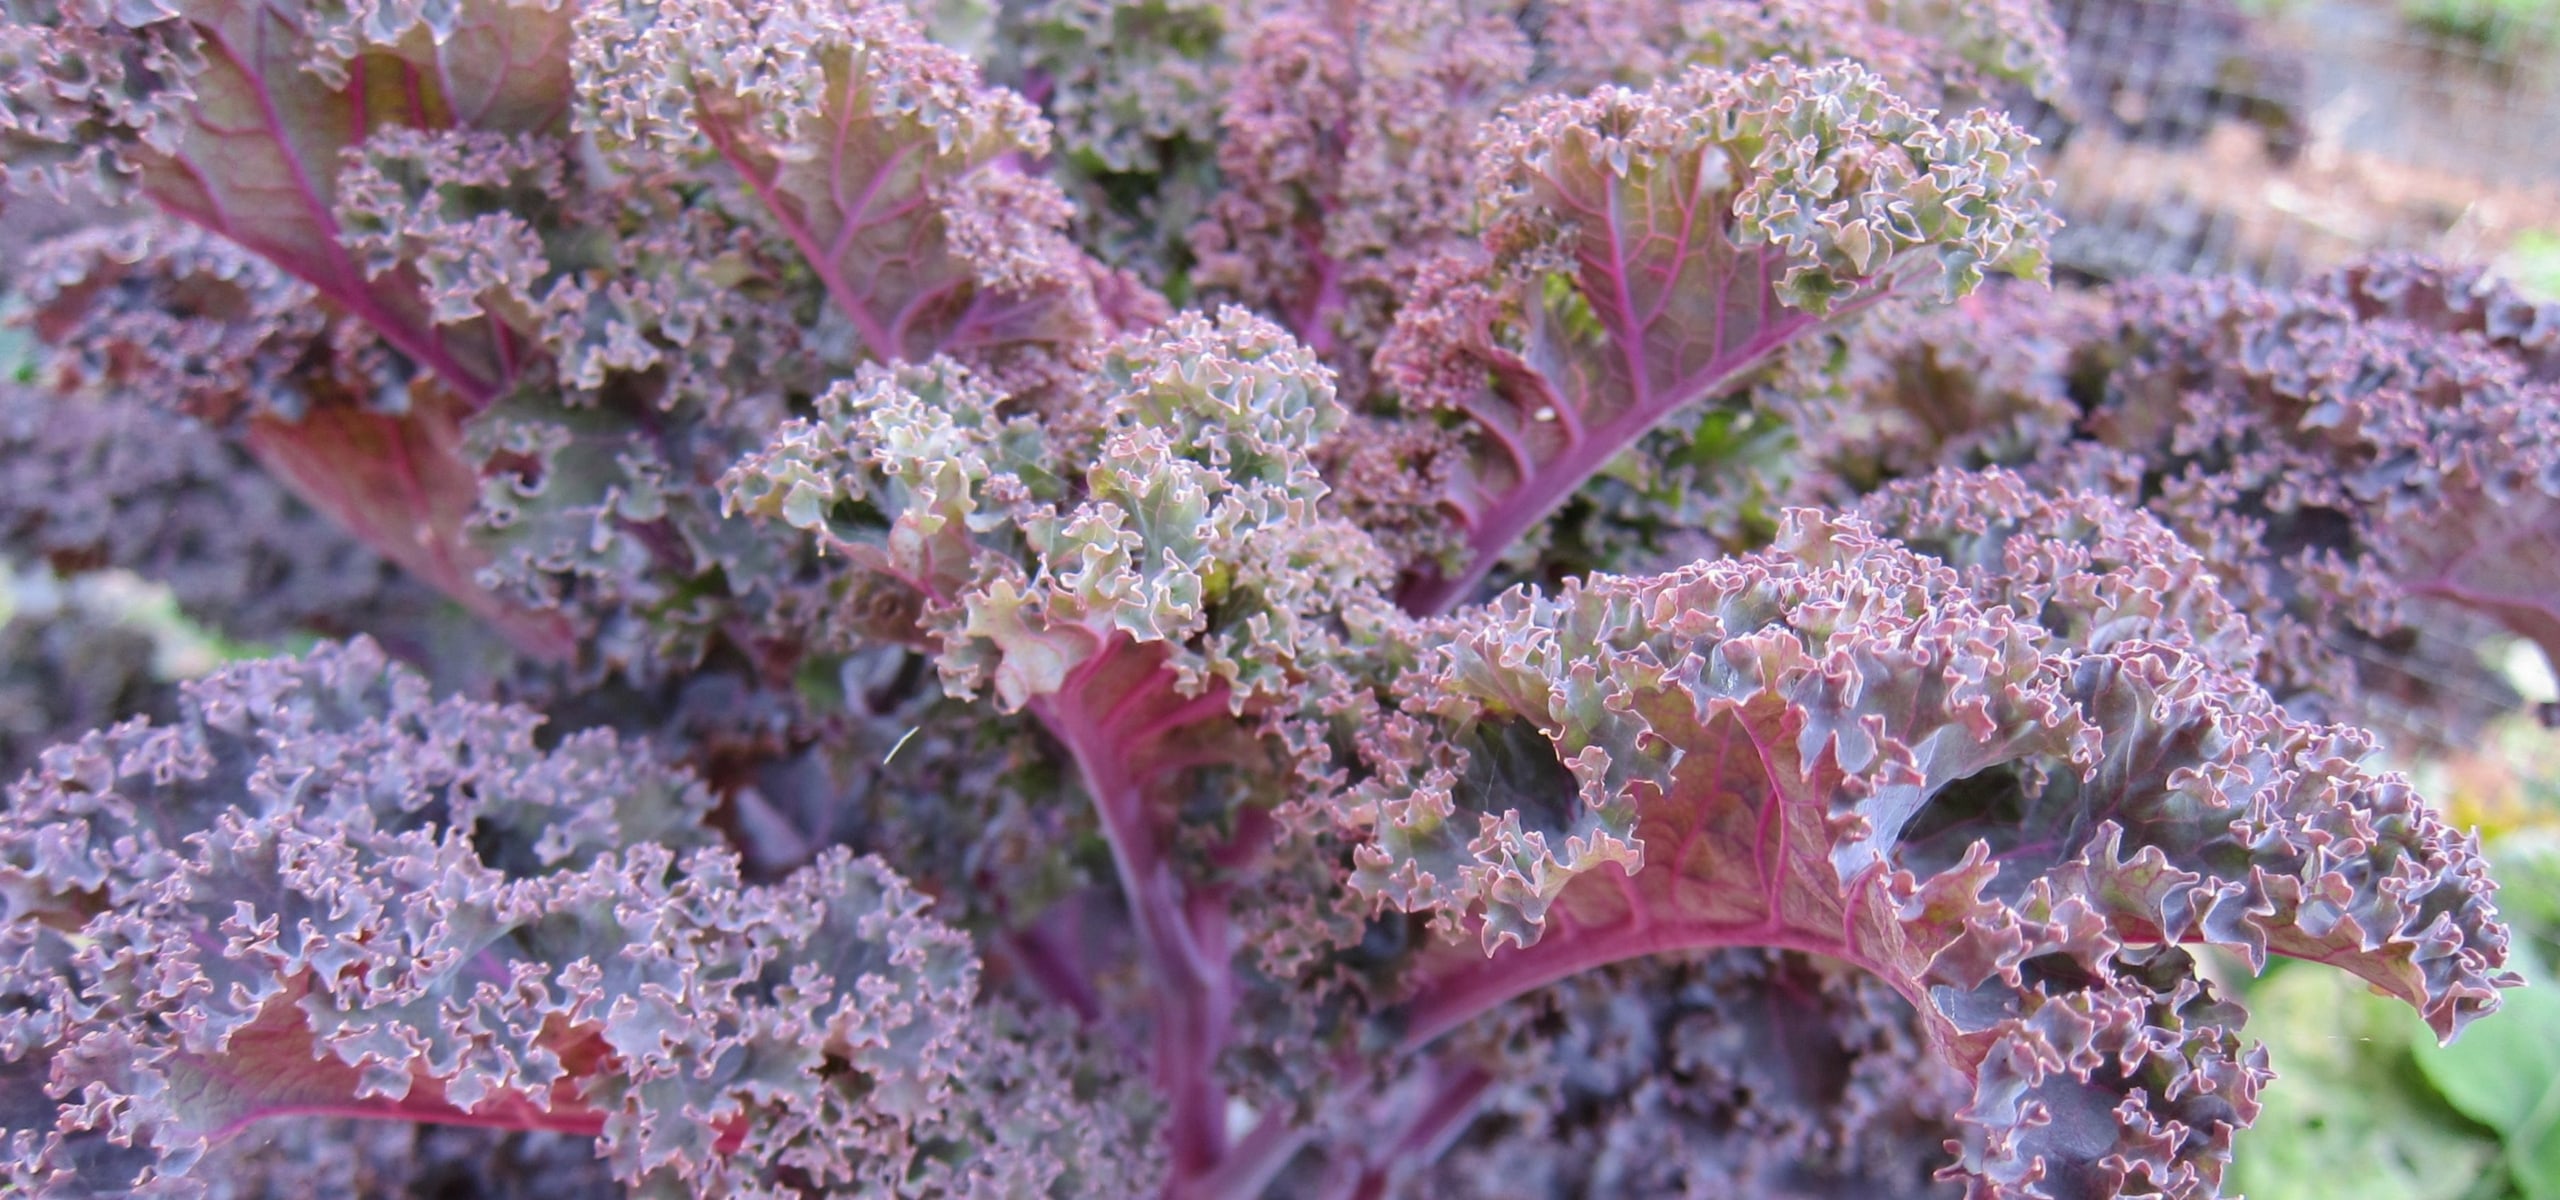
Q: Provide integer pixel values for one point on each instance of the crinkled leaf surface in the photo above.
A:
(1646, 249)
(1830, 748)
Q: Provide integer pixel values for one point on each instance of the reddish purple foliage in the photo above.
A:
(966, 724)
(2369, 465)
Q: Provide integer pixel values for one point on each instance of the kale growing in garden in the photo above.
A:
(1202, 599)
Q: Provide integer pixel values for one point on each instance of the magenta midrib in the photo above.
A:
(343, 282)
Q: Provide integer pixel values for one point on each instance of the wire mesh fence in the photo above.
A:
(2270, 138)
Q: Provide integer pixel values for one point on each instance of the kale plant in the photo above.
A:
(1203, 600)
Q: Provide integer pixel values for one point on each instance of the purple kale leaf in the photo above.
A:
(1831, 747)
(2366, 463)
(323, 892)
(1647, 250)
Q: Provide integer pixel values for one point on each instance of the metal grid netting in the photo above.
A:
(2272, 138)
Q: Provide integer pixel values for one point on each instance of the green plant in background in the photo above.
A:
(2508, 1079)
(2500, 28)
(2532, 263)
(2351, 1116)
